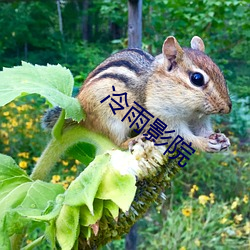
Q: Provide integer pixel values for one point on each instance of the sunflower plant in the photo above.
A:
(102, 202)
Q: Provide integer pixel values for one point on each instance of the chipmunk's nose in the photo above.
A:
(227, 108)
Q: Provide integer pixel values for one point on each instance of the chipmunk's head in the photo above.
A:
(195, 82)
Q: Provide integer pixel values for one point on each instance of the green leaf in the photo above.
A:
(53, 82)
(86, 231)
(86, 218)
(39, 194)
(6, 186)
(34, 243)
(118, 188)
(4, 240)
(58, 127)
(50, 234)
(26, 202)
(83, 152)
(14, 198)
(9, 168)
(11, 200)
(14, 223)
(50, 213)
(67, 226)
(112, 208)
(83, 189)
(20, 197)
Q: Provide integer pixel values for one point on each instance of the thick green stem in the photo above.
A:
(16, 241)
(57, 147)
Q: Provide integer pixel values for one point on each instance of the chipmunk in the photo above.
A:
(181, 86)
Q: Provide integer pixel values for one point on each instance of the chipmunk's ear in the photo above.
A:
(171, 49)
(197, 43)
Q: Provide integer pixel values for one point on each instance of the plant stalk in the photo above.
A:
(57, 147)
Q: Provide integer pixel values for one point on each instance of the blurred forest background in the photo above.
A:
(207, 206)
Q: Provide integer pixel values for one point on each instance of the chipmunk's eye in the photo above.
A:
(197, 79)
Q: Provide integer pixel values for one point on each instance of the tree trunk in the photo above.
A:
(59, 16)
(86, 22)
(131, 238)
(135, 23)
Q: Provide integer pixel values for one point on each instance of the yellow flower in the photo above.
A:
(28, 241)
(23, 164)
(12, 105)
(192, 190)
(235, 203)
(24, 154)
(238, 233)
(247, 227)
(197, 242)
(182, 248)
(234, 152)
(70, 178)
(24, 107)
(211, 195)
(14, 123)
(19, 108)
(186, 211)
(245, 199)
(73, 168)
(35, 159)
(77, 162)
(65, 185)
(6, 149)
(238, 218)
(6, 113)
(203, 199)
(223, 220)
(224, 164)
(29, 124)
(65, 163)
(4, 134)
(6, 141)
(238, 159)
(223, 235)
(55, 178)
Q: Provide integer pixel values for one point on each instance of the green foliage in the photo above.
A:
(19, 198)
(52, 82)
(238, 121)
(83, 152)
(195, 225)
(232, 166)
(81, 58)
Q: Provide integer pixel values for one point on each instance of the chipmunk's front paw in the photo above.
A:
(132, 141)
(218, 142)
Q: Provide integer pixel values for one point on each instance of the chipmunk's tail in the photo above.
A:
(50, 117)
